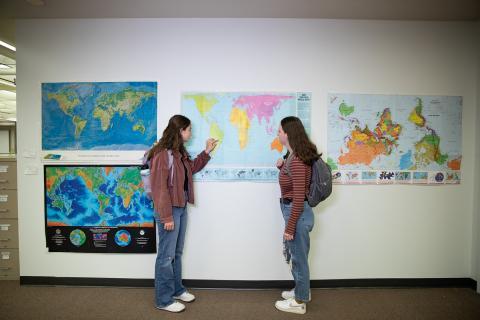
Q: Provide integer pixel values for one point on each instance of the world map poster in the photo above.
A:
(395, 139)
(245, 125)
(99, 115)
(97, 209)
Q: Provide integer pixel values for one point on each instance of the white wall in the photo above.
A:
(235, 229)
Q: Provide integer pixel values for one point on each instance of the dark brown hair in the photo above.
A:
(301, 145)
(171, 138)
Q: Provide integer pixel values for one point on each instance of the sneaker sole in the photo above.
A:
(162, 309)
(187, 301)
(291, 311)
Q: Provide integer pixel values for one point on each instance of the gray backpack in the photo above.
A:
(321, 182)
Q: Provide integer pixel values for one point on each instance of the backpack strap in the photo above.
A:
(287, 163)
(170, 164)
(145, 161)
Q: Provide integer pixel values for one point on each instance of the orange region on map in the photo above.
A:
(50, 181)
(108, 170)
(455, 164)
(363, 148)
(276, 145)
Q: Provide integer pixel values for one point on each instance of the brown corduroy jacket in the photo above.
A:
(167, 184)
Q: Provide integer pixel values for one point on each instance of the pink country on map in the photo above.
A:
(263, 106)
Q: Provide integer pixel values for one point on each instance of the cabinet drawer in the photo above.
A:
(9, 266)
(8, 204)
(8, 175)
(8, 233)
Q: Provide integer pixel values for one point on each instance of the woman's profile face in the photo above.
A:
(186, 133)
(282, 136)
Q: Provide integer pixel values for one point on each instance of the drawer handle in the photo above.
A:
(5, 239)
(5, 268)
(3, 210)
(3, 180)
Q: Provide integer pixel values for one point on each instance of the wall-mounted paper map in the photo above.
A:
(99, 115)
(97, 209)
(246, 126)
(395, 139)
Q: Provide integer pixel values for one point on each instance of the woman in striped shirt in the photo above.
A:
(294, 178)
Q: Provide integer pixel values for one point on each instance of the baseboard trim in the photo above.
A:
(254, 284)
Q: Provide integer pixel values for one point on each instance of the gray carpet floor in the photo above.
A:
(42, 302)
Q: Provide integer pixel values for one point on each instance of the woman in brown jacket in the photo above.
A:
(172, 188)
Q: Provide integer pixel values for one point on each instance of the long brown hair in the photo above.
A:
(171, 138)
(301, 145)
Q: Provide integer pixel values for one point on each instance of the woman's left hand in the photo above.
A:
(287, 236)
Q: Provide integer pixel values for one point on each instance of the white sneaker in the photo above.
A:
(185, 297)
(291, 294)
(291, 306)
(174, 307)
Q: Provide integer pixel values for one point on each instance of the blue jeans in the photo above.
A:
(299, 248)
(168, 266)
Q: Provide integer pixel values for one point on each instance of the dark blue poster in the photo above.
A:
(97, 209)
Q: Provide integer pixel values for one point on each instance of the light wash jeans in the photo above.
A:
(168, 266)
(299, 248)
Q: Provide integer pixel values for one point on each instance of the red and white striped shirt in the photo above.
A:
(295, 186)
